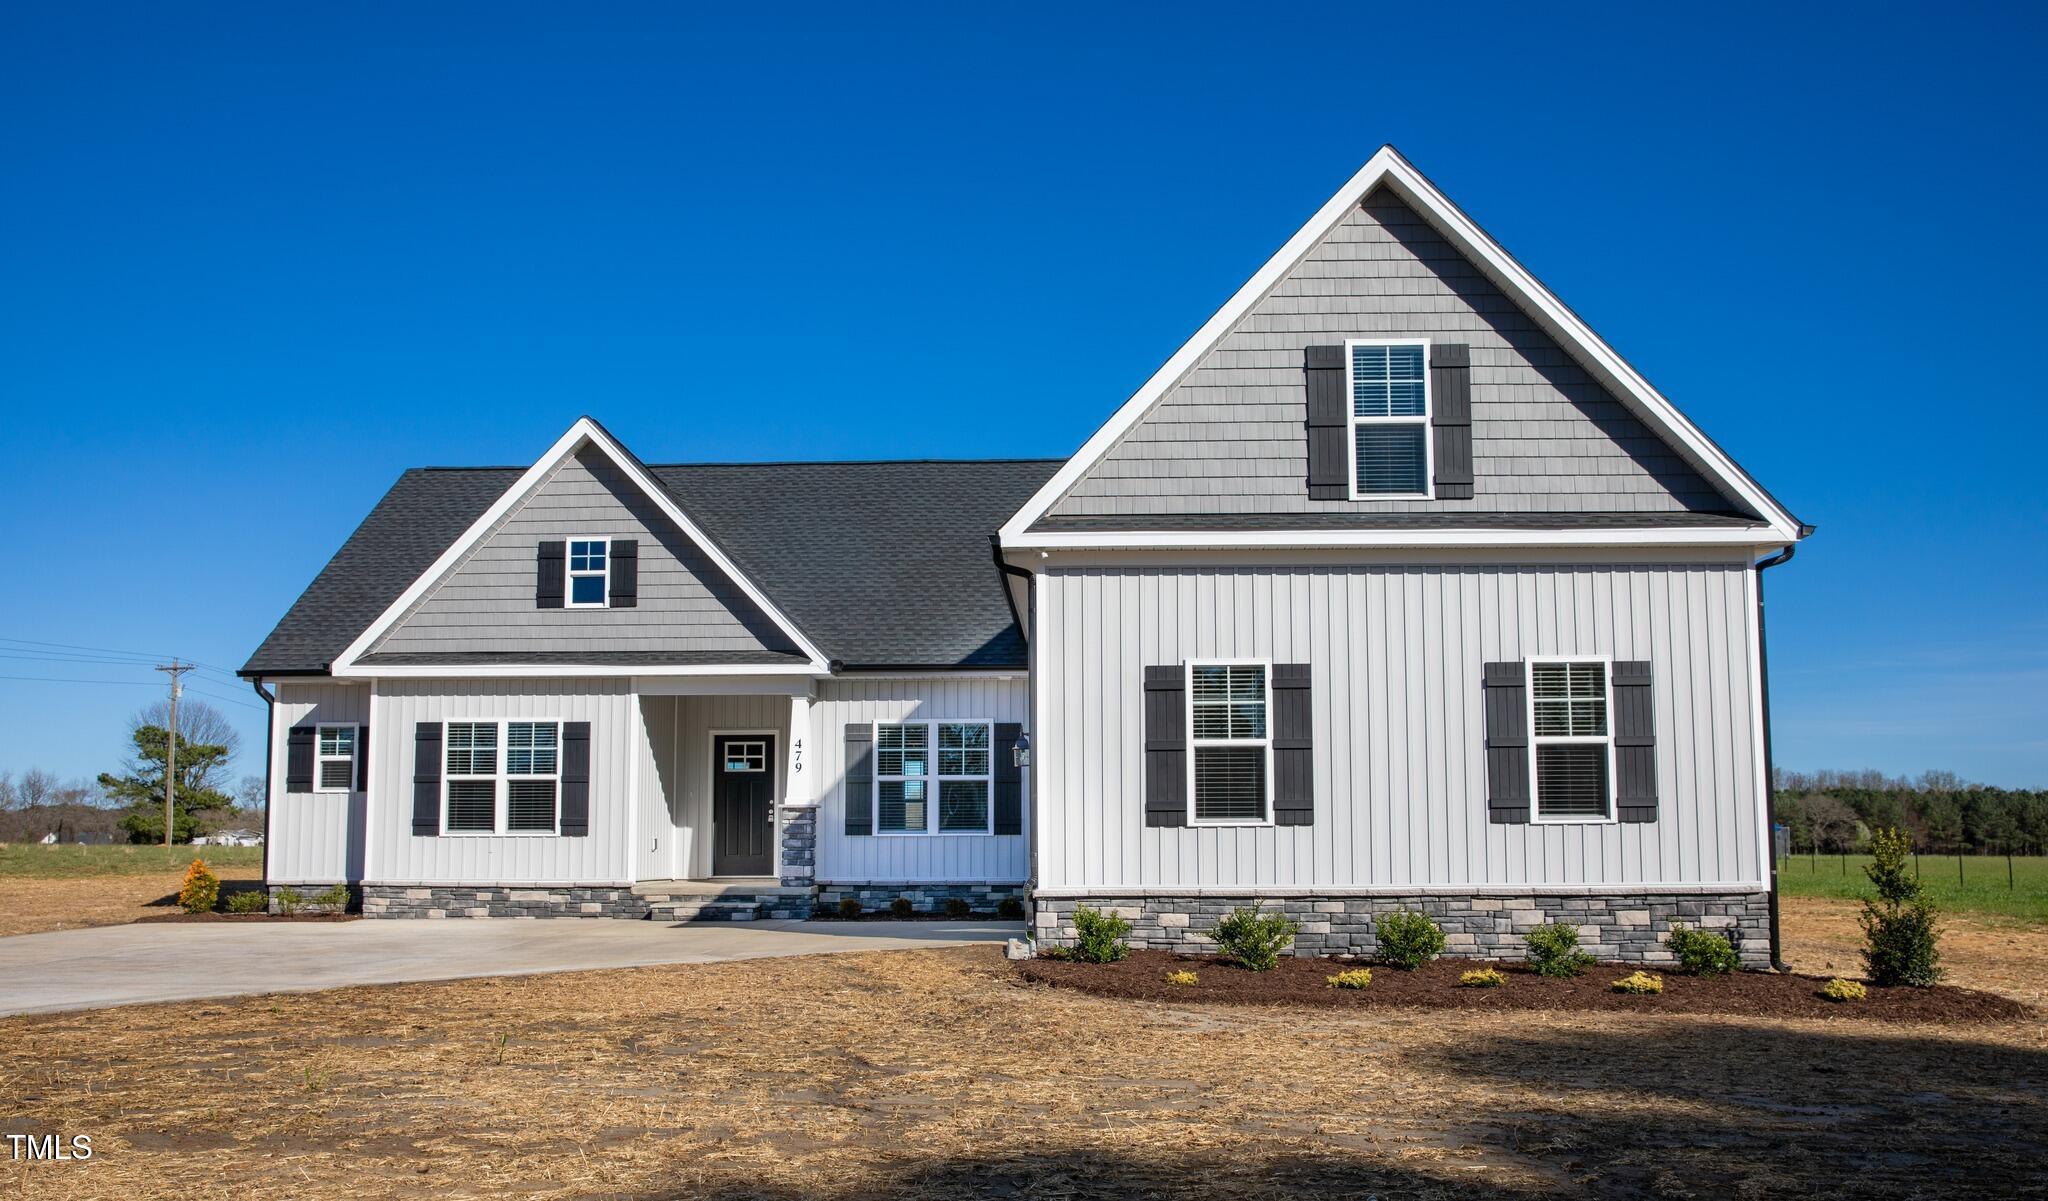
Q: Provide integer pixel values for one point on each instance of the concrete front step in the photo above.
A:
(698, 909)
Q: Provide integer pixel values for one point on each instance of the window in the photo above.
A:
(746, 756)
(1568, 718)
(1228, 742)
(1390, 443)
(529, 783)
(336, 770)
(907, 772)
(588, 580)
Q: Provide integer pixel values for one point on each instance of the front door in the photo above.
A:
(743, 805)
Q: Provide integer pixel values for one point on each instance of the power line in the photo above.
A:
(108, 650)
(225, 699)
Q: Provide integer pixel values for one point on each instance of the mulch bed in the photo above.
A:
(251, 917)
(1302, 981)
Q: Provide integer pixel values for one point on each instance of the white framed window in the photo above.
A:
(746, 755)
(1230, 747)
(502, 777)
(1392, 453)
(1573, 752)
(589, 585)
(918, 763)
(334, 769)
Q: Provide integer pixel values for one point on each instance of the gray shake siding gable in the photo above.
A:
(486, 605)
(1230, 436)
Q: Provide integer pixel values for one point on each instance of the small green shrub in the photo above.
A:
(1839, 989)
(957, 908)
(1182, 977)
(1554, 950)
(1100, 935)
(1898, 923)
(1702, 952)
(289, 902)
(849, 907)
(1639, 983)
(200, 890)
(1011, 910)
(1484, 977)
(1351, 977)
(334, 900)
(249, 900)
(901, 907)
(1253, 938)
(1408, 939)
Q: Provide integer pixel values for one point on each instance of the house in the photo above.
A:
(230, 838)
(1394, 587)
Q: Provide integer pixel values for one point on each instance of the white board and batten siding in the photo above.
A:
(315, 837)
(1397, 655)
(926, 858)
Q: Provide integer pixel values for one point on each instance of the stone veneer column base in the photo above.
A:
(1625, 926)
(799, 850)
(876, 897)
(398, 900)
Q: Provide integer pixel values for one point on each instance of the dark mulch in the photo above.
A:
(1435, 986)
(251, 917)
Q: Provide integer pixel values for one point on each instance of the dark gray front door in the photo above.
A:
(743, 805)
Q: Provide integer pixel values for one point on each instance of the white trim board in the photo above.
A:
(583, 431)
(1553, 315)
(1757, 537)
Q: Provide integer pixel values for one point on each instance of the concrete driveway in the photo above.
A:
(128, 965)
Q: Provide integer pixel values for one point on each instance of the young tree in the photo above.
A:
(142, 787)
(1898, 923)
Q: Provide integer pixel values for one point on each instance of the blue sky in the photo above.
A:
(256, 260)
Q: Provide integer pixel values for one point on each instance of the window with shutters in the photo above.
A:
(334, 768)
(1391, 447)
(1568, 724)
(502, 777)
(1230, 763)
(589, 572)
(933, 777)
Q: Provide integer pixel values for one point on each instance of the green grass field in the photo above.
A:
(32, 860)
(1982, 888)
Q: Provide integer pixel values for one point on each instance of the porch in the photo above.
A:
(748, 899)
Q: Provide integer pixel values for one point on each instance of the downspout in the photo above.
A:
(1763, 667)
(269, 749)
(995, 550)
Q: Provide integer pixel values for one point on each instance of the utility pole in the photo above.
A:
(175, 669)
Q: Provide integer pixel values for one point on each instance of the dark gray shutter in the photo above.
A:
(860, 778)
(1635, 743)
(1166, 746)
(1450, 412)
(1294, 765)
(1507, 743)
(575, 819)
(625, 573)
(1329, 424)
(550, 572)
(426, 777)
(363, 758)
(1009, 800)
(298, 759)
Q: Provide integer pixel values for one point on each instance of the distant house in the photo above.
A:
(230, 838)
(49, 840)
(1396, 587)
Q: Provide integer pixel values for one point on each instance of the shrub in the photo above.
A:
(1898, 923)
(1639, 983)
(1554, 950)
(1351, 977)
(201, 889)
(849, 907)
(1101, 936)
(1702, 952)
(249, 900)
(901, 907)
(1253, 938)
(957, 908)
(334, 900)
(289, 902)
(1011, 910)
(1839, 989)
(1484, 977)
(1408, 939)
(1183, 977)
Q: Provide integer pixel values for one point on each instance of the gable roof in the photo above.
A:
(880, 564)
(1031, 527)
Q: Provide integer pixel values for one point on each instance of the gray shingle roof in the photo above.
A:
(879, 564)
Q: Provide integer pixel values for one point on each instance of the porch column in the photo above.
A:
(799, 849)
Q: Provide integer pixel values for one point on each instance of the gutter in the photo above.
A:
(1763, 666)
(269, 749)
(995, 550)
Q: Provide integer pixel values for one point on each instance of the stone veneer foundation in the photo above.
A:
(389, 900)
(1630, 927)
(927, 898)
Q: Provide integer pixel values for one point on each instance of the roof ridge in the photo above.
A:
(773, 463)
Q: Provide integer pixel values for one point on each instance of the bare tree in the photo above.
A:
(1833, 822)
(251, 794)
(198, 723)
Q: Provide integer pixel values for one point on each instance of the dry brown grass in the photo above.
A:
(31, 905)
(935, 1074)
(1822, 937)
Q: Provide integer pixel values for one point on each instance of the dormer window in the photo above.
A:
(589, 572)
(1388, 383)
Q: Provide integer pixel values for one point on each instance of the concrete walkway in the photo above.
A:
(129, 965)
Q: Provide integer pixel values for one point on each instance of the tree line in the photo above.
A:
(1941, 813)
(127, 805)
